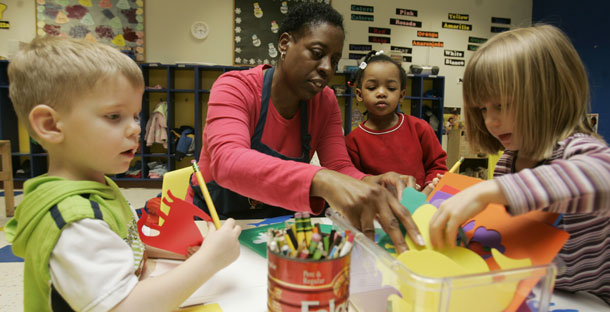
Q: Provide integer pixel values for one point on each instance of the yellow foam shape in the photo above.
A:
(467, 259)
(422, 217)
(475, 292)
(397, 304)
(507, 263)
(430, 263)
(178, 182)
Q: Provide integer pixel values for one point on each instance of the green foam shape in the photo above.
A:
(412, 199)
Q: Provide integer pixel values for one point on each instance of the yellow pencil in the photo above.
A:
(206, 194)
(456, 166)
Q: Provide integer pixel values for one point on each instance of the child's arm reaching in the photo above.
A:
(577, 183)
(466, 204)
(166, 292)
(430, 186)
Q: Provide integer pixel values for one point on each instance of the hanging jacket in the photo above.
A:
(156, 127)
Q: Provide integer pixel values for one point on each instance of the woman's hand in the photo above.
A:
(460, 207)
(361, 202)
(394, 182)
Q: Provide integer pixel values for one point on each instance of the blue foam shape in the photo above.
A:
(412, 199)
(6, 255)
(272, 220)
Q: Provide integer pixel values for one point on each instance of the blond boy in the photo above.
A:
(81, 101)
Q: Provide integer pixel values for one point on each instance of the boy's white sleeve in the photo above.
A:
(91, 267)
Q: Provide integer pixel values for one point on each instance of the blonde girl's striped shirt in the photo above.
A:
(574, 182)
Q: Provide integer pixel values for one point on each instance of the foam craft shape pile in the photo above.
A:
(451, 262)
(179, 231)
(514, 233)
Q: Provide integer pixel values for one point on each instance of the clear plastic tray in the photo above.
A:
(375, 275)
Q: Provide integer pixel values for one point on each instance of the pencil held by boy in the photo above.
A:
(389, 140)
(81, 101)
(526, 92)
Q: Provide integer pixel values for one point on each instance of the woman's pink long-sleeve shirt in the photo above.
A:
(226, 157)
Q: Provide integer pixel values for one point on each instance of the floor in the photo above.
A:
(11, 273)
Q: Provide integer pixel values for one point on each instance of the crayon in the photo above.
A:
(347, 246)
(293, 238)
(319, 228)
(337, 240)
(300, 234)
(318, 253)
(307, 227)
(289, 241)
(333, 252)
(315, 240)
(336, 245)
(326, 242)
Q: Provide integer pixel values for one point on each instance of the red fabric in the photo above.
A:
(411, 147)
(226, 157)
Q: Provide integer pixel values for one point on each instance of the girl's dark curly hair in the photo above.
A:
(372, 57)
(308, 14)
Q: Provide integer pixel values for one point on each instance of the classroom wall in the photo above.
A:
(20, 15)
(587, 27)
(432, 14)
(168, 39)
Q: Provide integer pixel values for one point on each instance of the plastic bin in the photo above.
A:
(375, 275)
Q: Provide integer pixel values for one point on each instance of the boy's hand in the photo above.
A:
(222, 244)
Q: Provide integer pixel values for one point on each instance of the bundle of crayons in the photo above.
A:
(303, 240)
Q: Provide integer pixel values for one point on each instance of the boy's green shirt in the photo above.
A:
(50, 203)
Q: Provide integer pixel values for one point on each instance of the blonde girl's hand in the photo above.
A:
(222, 244)
(456, 210)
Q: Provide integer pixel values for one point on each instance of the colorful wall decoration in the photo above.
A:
(255, 28)
(119, 23)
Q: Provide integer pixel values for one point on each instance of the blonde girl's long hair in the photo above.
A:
(539, 79)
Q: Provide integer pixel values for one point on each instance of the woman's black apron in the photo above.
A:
(233, 205)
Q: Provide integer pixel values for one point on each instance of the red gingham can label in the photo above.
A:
(302, 285)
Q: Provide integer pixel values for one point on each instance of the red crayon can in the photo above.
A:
(302, 285)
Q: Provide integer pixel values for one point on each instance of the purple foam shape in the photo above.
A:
(439, 197)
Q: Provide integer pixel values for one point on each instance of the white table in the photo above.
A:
(242, 286)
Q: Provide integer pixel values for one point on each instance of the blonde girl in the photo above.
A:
(526, 92)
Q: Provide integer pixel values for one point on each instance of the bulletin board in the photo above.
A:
(255, 29)
(119, 23)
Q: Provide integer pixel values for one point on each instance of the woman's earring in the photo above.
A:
(283, 55)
